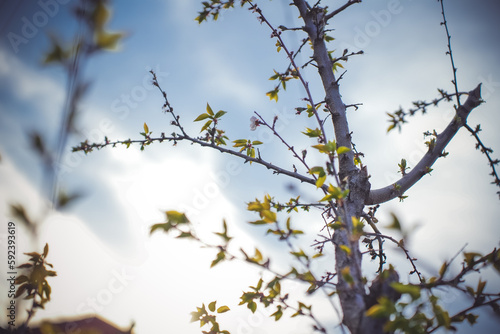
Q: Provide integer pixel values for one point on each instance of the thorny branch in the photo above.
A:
(487, 151)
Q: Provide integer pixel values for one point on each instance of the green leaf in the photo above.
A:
(328, 38)
(207, 124)
(220, 256)
(57, 54)
(101, 15)
(220, 113)
(146, 129)
(164, 226)
(185, 235)
(346, 249)
(346, 275)
(321, 175)
(176, 217)
(273, 94)
(275, 76)
(329, 147)
(223, 309)
(278, 314)
(412, 290)
(396, 225)
(240, 143)
(211, 306)
(209, 110)
(201, 117)
(45, 250)
(312, 133)
(268, 216)
(342, 150)
(107, 40)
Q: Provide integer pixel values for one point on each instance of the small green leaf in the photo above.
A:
(45, 250)
(346, 249)
(342, 150)
(220, 113)
(209, 110)
(207, 124)
(412, 290)
(321, 175)
(346, 275)
(107, 40)
(312, 133)
(176, 217)
(223, 309)
(211, 306)
(201, 117)
(146, 129)
(240, 143)
(220, 256)
(273, 94)
(101, 15)
(396, 225)
(278, 314)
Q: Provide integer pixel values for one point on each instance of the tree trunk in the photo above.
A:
(350, 285)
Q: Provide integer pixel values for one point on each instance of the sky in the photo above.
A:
(100, 247)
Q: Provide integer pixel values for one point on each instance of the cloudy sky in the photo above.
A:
(100, 247)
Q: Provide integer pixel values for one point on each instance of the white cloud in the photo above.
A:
(28, 84)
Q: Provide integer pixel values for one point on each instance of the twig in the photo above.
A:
(341, 9)
(450, 53)
(400, 245)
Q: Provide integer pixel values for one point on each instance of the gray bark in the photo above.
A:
(354, 298)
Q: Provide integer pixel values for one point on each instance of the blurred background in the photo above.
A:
(106, 261)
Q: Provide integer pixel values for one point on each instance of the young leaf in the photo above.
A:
(223, 309)
(207, 124)
(202, 117)
(312, 133)
(342, 150)
(220, 113)
(273, 94)
(209, 110)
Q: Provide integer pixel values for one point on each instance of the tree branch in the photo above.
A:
(341, 9)
(435, 151)
(86, 147)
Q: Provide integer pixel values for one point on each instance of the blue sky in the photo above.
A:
(227, 64)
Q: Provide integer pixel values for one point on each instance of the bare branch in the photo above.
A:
(341, 9)
(423, 167)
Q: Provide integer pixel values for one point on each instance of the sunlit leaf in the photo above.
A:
(211, 306)
(107, 40)
(342, 150)
(412, 290)
(273, 94)
(223, 309)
